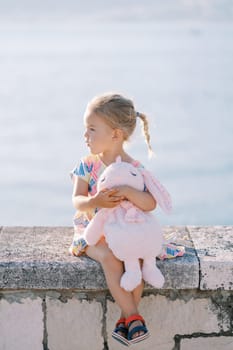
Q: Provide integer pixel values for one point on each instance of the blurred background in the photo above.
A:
(174, 58)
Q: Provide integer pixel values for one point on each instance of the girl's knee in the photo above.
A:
(109, 261)
(103, 255)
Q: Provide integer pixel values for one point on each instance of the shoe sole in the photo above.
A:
(140, 338)
(121, 339)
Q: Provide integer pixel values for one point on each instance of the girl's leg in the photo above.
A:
(113, 270)
(137, 292)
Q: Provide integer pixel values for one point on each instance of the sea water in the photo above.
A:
(178, 70)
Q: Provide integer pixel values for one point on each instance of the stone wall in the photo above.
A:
(50, 300)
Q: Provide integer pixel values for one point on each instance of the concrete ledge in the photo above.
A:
(214, 248)
(47, 297)
(38, 258)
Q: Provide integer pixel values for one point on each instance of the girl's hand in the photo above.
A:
(123, 192)
(107, 198)
(141, 199)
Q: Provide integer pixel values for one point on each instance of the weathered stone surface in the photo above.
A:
(37, 257)
(181, 272)
(75, 324)
(21, 325)
(211, 343)
(166, 318)
(214, 248)
(68, 319)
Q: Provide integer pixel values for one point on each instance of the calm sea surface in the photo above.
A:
(179, 72)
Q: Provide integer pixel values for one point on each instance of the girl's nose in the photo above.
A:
(85, 134)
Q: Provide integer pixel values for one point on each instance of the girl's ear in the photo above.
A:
(117, 134)
(158, 191)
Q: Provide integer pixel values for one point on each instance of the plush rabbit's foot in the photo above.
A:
(130, 280)
(153, 276)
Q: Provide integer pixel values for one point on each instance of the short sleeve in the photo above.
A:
(82, 170)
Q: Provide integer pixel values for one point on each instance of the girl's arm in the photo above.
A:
(143, 200)
(103, 199)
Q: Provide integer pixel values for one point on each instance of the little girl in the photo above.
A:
(110, 120)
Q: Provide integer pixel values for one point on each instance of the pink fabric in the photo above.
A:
(158, 191)
(89, 170)
(131, 233)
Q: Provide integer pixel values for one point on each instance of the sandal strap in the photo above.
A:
(133, 318)
(135, 330)
(121, 329)
(121, 320)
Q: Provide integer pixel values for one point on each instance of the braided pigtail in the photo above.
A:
(119, 113)
(145, 129)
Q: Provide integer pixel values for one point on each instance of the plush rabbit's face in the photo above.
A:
(121, 174)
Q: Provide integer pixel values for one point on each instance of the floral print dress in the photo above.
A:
(89, 169)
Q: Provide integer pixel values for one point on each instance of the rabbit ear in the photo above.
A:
(158, 191)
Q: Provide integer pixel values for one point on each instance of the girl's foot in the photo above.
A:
(120, 333)
(78, 247)
(133, 325)
(137, 330)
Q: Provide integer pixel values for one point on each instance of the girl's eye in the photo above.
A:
(133, 173)
(92, 129)
(102, 180)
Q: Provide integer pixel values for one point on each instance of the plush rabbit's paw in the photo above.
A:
(130, 280)
(153, 276)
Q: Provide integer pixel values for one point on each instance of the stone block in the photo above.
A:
(214, 248)
(149, 344)
(166, 318)
(21, 324)
(181, 272)
(210, 343)
(38, 258)
(75, 324)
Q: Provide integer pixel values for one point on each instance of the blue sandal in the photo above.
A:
(143, 328)
(119, 328)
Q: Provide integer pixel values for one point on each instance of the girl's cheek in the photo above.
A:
(93, 136)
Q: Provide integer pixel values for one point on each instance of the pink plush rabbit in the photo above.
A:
(131, 233)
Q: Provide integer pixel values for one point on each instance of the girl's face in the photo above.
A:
(98, 134)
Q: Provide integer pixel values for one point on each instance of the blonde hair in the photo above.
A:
(119, 113)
